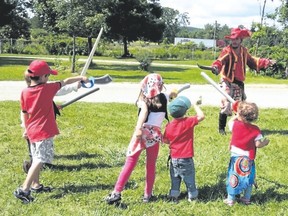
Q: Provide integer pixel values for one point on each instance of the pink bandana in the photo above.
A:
(151, 85)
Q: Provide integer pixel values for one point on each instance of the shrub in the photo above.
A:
(144, 58)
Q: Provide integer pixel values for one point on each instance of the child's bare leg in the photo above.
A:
(32, 178)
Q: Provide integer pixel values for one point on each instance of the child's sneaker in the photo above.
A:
(172, 199)
(25, 197)
(147, 199)
(41, 189)
(245, 201)
(113, 198)
(229, 202)
(192, 199)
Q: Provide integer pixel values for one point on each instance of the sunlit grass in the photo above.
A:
(90, 152)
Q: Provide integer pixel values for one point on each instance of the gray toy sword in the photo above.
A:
(78, 98)
(103, 79)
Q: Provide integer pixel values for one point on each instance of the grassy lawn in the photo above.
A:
(12, 68)
(90, 152)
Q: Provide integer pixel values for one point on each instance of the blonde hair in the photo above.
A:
(248, 111)
(27, 78)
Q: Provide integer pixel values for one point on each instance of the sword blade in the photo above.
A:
(204, 67)
(78, 98)
(103, 79)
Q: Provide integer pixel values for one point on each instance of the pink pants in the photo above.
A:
(130, 163)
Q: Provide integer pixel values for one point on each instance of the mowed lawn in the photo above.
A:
(90, 152)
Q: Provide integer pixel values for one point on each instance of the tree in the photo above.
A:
(173, 22)
(77, 18)
(14, 21)
(130, 20)
(6, 9)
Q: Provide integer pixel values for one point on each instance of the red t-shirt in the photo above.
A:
(180, 134)
(243, 137)
(37, 101)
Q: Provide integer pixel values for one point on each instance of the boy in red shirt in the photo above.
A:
(179, 134)
(246, 138)
(40, 124)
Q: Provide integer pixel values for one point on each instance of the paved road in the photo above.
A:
(265, 96)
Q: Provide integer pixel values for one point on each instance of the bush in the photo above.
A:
(144, 58)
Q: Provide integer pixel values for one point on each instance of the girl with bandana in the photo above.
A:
(246, 138)
(147, 135)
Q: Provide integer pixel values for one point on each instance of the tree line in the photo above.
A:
(125, 21)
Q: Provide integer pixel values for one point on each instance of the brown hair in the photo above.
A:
(248, 111)
(155, 101)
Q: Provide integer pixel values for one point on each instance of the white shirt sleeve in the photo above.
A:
(68, 89)
(259, 137)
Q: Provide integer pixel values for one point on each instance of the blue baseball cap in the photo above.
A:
(178, 107)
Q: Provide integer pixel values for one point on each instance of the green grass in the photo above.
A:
(90, 152)
(12, 68)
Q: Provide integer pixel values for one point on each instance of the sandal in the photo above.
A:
(41, 189)
(229, 202)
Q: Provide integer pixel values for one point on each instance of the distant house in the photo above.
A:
(208, 43)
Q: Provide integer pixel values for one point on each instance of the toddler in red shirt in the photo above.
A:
(246, 138)
(179, 134)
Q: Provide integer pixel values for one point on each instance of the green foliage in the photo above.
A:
(34, 49)
(281, 56)
(144, 58)
(90, 153)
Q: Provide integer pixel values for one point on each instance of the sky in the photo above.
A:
(230, 12)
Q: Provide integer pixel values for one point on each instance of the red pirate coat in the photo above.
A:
(228, 59)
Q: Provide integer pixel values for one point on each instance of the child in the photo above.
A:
(246, 138)
(63, 91)
(179, 134)
(147, 135)
(40, 124)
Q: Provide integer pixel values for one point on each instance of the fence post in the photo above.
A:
(11, 44)
(0, 46)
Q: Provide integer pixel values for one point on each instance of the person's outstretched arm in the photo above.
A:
(199, 113)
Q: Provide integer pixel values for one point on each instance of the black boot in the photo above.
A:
(222, 123)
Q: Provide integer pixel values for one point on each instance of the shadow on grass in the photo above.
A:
(77, 156)
(125, 67)
(206, 193)
(79, 167)
(271, 193)
(280, 132)
(214, 192)
(19, 61)
(72, 189)
(209, 193)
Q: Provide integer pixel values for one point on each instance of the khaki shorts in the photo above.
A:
(43, 151)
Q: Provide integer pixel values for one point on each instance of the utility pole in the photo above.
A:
(262, 13)
(214, 37)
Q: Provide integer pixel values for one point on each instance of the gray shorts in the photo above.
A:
(43, 151)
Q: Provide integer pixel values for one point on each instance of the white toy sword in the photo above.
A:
(83, 73)
(203, 74)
